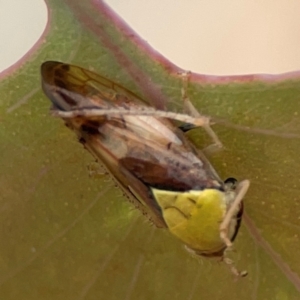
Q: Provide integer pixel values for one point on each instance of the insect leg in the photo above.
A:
(190, 109)
(233, 269)
(241, 190)
(95, 114)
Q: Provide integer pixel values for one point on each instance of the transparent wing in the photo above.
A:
(79, 87)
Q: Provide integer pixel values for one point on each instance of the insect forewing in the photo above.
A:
(145, 154)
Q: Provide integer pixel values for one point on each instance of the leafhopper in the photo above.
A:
(153, 162)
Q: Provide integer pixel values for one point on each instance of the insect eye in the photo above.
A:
(230, 183)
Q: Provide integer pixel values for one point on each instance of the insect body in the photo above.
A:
(158, 168)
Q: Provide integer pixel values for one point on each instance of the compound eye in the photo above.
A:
(231, 183)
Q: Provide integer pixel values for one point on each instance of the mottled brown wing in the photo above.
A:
(139, 151)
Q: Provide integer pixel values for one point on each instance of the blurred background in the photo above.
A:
(208, 36)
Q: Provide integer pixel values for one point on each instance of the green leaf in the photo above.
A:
(67, 235)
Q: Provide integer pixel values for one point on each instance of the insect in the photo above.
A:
(158, 168)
